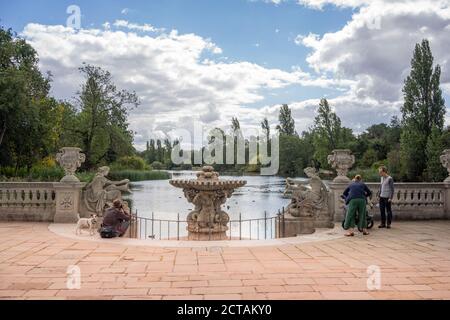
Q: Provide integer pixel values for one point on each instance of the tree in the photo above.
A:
(235, 124)
(287, 123)
(423, 110)
(28, 116)
(102, 124)
(435, 172)
(328, 133)
(266, 128)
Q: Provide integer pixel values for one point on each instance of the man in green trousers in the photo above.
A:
(356, 198)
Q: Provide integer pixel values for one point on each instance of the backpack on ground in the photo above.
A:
(107, 232)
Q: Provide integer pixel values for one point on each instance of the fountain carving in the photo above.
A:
(208, 193)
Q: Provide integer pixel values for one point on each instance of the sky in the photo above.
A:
(206, 61)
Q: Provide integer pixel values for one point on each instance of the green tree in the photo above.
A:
(266, 128)
(435, 172)
(328, 133)
(28, 116)
(423, 110)
(102, 125)
(287, 123)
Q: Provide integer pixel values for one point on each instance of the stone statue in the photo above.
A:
(307, 201)
(101, 192)
(445, 161)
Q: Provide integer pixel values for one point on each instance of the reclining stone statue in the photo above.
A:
(101, 192)
(310, 198)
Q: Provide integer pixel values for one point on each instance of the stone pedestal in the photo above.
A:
(206, 236)
(67, 198)
(336, 206)
(294, 226)
(208, 193)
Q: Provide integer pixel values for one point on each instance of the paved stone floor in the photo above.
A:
(414, 258)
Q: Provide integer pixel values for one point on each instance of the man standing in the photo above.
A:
(385, 193)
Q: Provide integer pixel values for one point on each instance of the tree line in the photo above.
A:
(34, 125)
(409, 146)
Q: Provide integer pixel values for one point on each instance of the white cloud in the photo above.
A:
(134, 26)
(374, 49)
(168, 72)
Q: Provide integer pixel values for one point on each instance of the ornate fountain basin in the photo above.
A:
(208, 193)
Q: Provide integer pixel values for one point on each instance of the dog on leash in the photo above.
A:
(87, 223)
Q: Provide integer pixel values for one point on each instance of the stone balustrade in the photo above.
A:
(32, 201)
(412, 201)
(417, 200)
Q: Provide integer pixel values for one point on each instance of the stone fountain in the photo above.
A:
(208, 193)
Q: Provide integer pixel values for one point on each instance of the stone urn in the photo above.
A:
(445, 161)
(208, 193)
(341, 160)
(70, 159)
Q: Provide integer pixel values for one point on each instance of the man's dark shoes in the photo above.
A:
(389, 226)
(381, 226)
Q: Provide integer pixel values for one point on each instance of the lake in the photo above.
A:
(262, 193)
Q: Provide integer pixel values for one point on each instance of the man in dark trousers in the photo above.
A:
(386, 193)
(117, 219)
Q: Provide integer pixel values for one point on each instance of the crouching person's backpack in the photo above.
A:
(107, 232)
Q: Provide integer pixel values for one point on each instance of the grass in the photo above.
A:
(54, 174)
(139, 175)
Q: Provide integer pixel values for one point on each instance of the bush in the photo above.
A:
(139, 175)
(47, 174)
(158, 165)
(368, 175)
(130, 163)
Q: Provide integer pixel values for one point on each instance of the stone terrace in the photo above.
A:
(414, 258)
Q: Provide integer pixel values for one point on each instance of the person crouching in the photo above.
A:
(117, 219)
(356, 197)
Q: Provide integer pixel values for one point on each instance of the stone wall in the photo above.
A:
(27, 201)
(412, 201)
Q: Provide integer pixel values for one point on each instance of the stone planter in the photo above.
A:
(341, 160)
(70, 159)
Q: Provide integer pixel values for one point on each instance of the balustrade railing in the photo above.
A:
(27, 201)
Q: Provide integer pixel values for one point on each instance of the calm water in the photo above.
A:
(262, 193)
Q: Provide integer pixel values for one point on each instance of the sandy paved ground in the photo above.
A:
(414, 258)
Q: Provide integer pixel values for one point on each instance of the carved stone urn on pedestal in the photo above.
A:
(68, 190)
(341, 160)
(70, 159)
(208, 193)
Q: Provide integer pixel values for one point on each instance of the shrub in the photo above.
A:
(130, 163)
(368, 175)
(158, 165)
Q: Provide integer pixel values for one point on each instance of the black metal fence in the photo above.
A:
(267, 227)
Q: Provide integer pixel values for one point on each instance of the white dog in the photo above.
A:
(87, 223)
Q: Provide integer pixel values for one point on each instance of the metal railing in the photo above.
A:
(267, 227)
